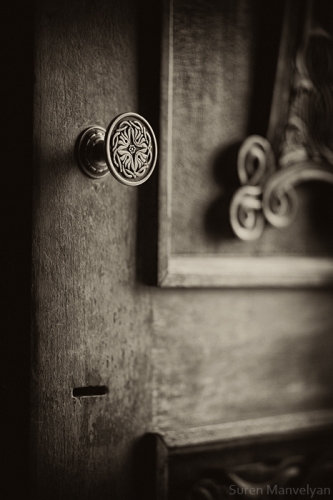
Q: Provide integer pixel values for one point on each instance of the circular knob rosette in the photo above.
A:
(128, 149)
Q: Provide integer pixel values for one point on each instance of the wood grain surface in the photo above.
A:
(92, 321)
(169, 359)
(226, 356)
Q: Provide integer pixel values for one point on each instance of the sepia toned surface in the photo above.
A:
(229, 356)
(91, 324)
(218, 56)
(298, 464)
(172, 361)
(220, 73)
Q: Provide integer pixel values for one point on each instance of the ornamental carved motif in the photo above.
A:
(132, 149)
(287, 479)
(268, 178)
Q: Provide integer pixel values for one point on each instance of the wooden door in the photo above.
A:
(193, 364)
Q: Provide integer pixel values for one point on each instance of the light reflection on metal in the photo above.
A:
(127, 149)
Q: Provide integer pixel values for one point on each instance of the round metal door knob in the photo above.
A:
(127, 149)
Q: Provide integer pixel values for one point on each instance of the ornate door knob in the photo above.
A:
(127, 149)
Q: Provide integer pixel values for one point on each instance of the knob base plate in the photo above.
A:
(90, 152)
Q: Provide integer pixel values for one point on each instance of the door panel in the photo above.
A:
(170, 360)
(92, 323)
(226, 356)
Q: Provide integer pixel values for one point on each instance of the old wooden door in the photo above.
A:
(191, 363)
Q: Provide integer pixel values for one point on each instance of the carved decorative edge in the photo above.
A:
(286, 478)
(268, 181)
(232, 271)
(253, 467)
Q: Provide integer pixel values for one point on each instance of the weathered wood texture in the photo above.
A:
(217, 355)
(92, 322)
(224, 356)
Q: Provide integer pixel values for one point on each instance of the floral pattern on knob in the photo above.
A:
(131, 149)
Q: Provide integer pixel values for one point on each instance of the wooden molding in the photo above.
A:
(177, 269)
(252, 468)
(211, 271)
(244, 429)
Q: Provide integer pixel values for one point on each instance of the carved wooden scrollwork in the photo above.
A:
(305, 153)
(297, 464)
(260, 481)
(236, 482)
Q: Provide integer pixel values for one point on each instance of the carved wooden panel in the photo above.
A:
(288, 466)
(247, 93)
